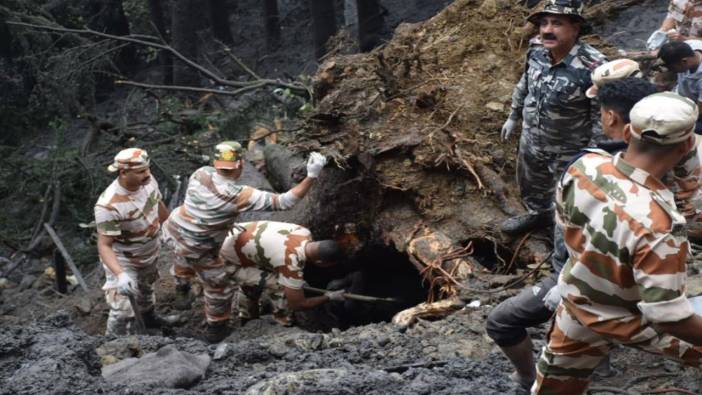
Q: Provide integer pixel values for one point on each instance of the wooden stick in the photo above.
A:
(362, 298)
(60, 271)
(66, 256)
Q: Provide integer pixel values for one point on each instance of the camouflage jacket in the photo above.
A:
(627, 245)
(551, 98)
(275, 247)
(687, 15)
(131, 218)
(212, 204)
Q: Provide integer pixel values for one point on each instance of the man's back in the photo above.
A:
(627, 247)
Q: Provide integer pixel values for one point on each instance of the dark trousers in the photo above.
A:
(507, 323)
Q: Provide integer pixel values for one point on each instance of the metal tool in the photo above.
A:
(138, 319)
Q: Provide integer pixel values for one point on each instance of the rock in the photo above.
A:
(166, 368)
(495, 106)
(324, 381)
(27, 281)
(119, 349)
(221, 351)
(84, 306)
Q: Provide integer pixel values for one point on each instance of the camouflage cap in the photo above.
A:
(130, 159)
(663, 118)
(573, 8)
(611, 71)
(227, 154)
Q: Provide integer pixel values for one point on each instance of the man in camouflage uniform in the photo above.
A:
(128, 215)
(558, 119)
(212, 203)
(625, 280)
(269, 257)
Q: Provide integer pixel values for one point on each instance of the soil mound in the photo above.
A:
(414, 126)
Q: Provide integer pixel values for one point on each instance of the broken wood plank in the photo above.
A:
(66, 255)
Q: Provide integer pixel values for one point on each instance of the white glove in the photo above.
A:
(508, 128)
(126, 285)
(315, 163)
(656, 40)
(336, 296)
(552, 298)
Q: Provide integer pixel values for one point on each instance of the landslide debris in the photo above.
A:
(413, 128)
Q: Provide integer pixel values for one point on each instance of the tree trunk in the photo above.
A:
(5, 38)
(219, 19)
(351, 17)
(370, 22)
(159, 21)
(108, 16)
(184, 26)
(323, 24)
(272, 23)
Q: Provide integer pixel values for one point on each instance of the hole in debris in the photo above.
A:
(491, 256)
(378, 271)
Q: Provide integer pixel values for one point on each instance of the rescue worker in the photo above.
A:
(617, 90)
(682, 22)
(268, 257)
(558, 119)
(197, 229)
(625, 279)
(684, 58)
(507, 322)
(129, 214)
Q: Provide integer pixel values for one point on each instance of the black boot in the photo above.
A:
(216, 331)
(153, 320)
(524, 223)
(183, 297)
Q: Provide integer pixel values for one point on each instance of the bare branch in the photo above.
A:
(244, 86)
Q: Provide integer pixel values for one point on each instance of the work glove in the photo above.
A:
(656, 40)
(315, 163)
(552, 298)
(126, 284)
(336, 296)
(508, 128)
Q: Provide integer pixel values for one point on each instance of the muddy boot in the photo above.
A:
(183, 297)
(524, 223)
(153, 320)
(216, 331)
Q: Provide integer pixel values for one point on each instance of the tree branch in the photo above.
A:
(244, 86)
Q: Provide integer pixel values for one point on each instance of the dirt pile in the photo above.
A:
(414, 130)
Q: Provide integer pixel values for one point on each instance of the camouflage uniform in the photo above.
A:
(264, 257)
(687, 15)
(131, 218)
(626, 271)
(197, 228)
(558, 119)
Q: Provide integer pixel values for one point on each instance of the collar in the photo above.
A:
(568, 59)
(119, 189)
(642, 177)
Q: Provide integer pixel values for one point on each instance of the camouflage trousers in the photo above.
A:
(121, 315)
(198, 256)
(254, 283)
(539, 167)
(574, 351)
